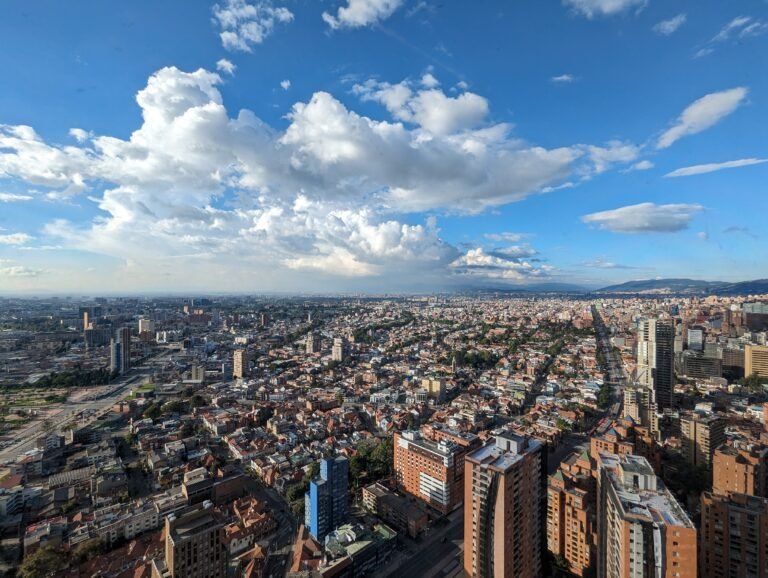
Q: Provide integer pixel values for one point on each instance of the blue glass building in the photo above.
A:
(326, 504)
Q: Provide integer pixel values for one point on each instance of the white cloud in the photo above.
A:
(712, 167)
(507, 236)
(738, 29)
(19, 271)
(13, 197)
(604, 264)
(429, 81)
(613, 152)
(359, 13)
(593, 8)
(245, 24)
(319, 196)
(478, 263)
(643, 165)
(563, 79)
(285, 84)
(79, 134)
(15, 239)
(645, 218)
(430, 108)
(226, 66)
(668, 27)
(703, 114)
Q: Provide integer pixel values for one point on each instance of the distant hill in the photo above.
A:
(688, 287)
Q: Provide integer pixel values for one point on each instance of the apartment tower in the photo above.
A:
(504, 501)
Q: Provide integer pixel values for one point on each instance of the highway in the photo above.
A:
(616, 377)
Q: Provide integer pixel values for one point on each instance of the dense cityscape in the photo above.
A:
(437, 436)
(384, 289)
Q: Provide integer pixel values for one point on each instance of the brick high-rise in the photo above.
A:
(503, 508)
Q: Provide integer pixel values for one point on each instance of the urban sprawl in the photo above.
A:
(487, 435)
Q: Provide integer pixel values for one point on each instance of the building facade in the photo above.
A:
(326, 503)
(504, 508)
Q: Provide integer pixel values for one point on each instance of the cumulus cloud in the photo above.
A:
(285, 84)
(429, 108)
(703, 114)
(478, 263)
(225, 66)
(15, 239)
(669, 27)
(593, 8)
(645, 218)
(320, 195)
(79, 134)
(712, 167)
(359, 13)
(245, 24)
(563, 79)
(13, 197)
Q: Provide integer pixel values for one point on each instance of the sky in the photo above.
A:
(317, 146)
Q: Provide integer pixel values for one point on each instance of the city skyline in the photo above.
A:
(380, 145)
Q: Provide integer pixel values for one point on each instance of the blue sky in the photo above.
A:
(380, 145)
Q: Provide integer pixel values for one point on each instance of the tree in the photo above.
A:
(197, 401)
(45, 562)
(153, 411)
(87, 550)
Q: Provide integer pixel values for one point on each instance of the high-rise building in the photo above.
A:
(756, 360)
(700, 434)
(240, 363)
(194, 545)
(624, 437)
(326, 504)
(433, 471)
(504, 500)
(642, 530)
(655, 359)
(734, 536)
(734, 515)
(313, 344)
(699, 365)
(740, 468)
(120, 351)
(571, 513)
(337, 353)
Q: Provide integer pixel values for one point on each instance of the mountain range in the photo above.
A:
(688, 287)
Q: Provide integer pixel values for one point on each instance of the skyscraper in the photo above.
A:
(326, 504)
(313, 344)
(756, 360)
(642, 530)
(656, 359)
(504, 508)
(120, 351)
(240, 363)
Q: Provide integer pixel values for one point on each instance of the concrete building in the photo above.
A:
(625, 438)
(146, 326)
(504, 508)
(655, 359)
(240, 363)
(338, 350)
(194, 545)
(756, 360)
(326, 504)
(433, 471)
(435, 389)
(398, 511)
(120, 351)
(312, 344)
(642, 530)
(700, 434)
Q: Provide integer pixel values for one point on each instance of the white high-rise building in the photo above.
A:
(337, 353)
